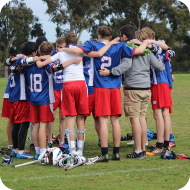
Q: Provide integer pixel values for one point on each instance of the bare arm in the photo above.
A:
(103, 50)
(64, 64)
(136, 41)
(160, 43)
(72, 50)
(173, 78)
(142, 47)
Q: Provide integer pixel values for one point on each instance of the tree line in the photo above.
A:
(170, 19)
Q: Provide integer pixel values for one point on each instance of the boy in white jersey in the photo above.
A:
(75, 101)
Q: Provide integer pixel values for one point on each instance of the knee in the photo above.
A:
(62, 118)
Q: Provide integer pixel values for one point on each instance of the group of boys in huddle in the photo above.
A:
(87, 79)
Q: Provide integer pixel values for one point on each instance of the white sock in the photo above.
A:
(138, 152)
(37, 149)
(20, 152)
(15, 150)
(10, 146)
(42, 150)
(80, 147)
(61, 143)
(73, 146)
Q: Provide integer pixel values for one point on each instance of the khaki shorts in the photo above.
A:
(136, 103)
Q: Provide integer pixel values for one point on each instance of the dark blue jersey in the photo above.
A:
(160, 77)
(86, 64)
(110, 59)
(41, 84)
(19, 85)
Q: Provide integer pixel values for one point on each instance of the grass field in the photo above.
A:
(150, 173)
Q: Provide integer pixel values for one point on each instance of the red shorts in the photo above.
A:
(91, 104)
(43, 113)
(75, 100)
(107, 102)
(160, 96)
(57, 103)
(6, 108)
(20, 111)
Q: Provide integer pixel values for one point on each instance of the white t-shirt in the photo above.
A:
(72, 72)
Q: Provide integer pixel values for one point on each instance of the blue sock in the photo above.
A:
(171, 137)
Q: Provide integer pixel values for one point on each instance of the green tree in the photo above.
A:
(16, 24)
(78, 14)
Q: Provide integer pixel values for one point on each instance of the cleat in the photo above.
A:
(156, 150)
(36, 156)
(172, 144)
(134, 155)
(50, 145)
(115, 157)
(27, 151)
(13, 153)
(24, 155)
(104, 158)
(32, 147)
(144, 153)
(152, 146)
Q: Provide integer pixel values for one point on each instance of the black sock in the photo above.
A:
(115, 150)
(104, 150)
(166, 144)
(159, 145)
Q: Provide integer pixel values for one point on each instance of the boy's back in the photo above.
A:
(109, 60)
(72, 72)
(41, 84)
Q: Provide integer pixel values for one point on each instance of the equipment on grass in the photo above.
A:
(168, 154)
(50, 156)
(129, 137)
(182, 156)
(7, 159)
(27, 163)
(91, 160)
(71, 161)
(64, 148)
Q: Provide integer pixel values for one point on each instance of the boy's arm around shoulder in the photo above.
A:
(157, 64)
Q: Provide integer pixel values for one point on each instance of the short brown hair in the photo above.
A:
(105, 32)
(71, 38)
(128, 30)
(149, 32)
(60, 40)
(46, 48)
(141, 35)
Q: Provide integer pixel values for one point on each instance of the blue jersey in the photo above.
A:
(41, 84)
(6, 94)
(86, 64)
(160, 77)
(168, 71)
(110, 59)
(19, 85)
(58, 78)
